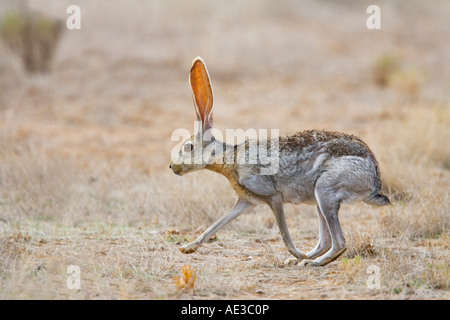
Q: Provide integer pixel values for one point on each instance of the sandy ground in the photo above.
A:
(84, 177)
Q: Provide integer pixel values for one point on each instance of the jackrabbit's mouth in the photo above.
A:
(176, 169)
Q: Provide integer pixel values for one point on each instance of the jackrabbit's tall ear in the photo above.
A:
(202, 93)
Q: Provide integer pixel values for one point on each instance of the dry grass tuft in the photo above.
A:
(437, 275)
(359, 245)
(11, 251)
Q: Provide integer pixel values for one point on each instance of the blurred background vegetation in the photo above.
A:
(31, 35)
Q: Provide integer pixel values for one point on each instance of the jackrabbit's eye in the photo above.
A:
(188, 147)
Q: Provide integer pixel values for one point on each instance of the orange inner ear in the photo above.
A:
(201, 88)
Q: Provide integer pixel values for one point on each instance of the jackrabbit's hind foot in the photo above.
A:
(309, 263)
(317, 252)
(291, 262)
(330, 256)
(189, 248)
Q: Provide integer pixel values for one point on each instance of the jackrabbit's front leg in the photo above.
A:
(277, 207)
(238, 208)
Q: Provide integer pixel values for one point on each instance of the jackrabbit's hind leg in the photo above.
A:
(324, 243)
(329, 206)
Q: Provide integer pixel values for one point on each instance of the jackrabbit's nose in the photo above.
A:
(170, 166)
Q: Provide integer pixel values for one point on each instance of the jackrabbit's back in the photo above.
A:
(343, 162)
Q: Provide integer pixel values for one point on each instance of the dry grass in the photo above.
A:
(84, 154)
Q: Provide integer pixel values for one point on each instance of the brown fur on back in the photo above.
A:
(337, 144)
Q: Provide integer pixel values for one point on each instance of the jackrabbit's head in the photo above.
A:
(198, 151)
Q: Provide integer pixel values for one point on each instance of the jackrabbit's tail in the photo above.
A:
(378, 199)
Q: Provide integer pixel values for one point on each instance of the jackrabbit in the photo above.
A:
(315, 167)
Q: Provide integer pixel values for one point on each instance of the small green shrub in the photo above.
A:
(33, 37)
(383, 68)
(408, 82)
